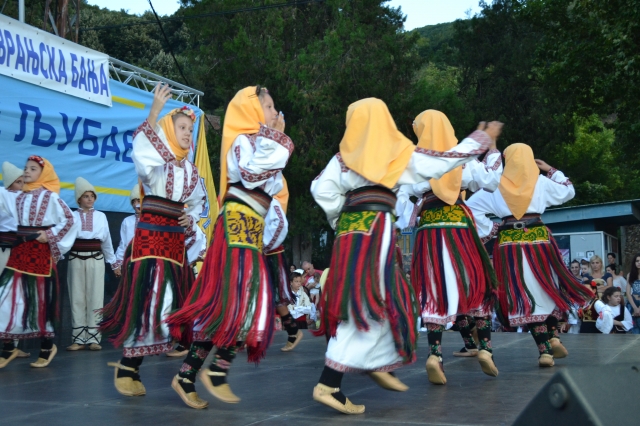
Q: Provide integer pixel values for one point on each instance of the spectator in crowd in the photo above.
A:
(612, 259)
(613, 317)
(299, 309)
(574, 266)
(292, 268)
(618, 278)
(311, 281)
(585, 271)
(633, 293)
(598, 272)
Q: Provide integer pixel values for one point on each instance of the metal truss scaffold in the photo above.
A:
(145, 80)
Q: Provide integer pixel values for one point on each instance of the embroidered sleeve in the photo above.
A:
(276, 227)
(62, 235)
(492, 233)
(558, 177)
(329, 191)
(155, 141)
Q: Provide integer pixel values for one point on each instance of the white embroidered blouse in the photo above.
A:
(42, 207)
(329, 189)
(94, 226)
(551, 190)
(163, 176)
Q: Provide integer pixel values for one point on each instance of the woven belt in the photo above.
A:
(524, 222)
(162, 207)
(95, 255)
(256, 198)
(431, 201)
(8, 239)
(160, 228)
(86, 245)
(28, 233)
(370, 198)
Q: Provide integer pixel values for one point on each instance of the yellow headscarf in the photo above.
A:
(435, 132)
(372, 146)
(166, 123)
(48, 178)
(519, 178)
(243, 117)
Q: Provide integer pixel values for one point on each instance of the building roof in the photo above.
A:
(621, 213)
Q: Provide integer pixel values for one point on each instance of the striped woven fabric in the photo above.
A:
(7, 239)
(82, 245)
(371, 195)
(431, 201)
(240, 194)
(162, 206)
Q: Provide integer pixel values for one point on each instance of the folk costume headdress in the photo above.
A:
(166, 123)
(435, 132)
(519, 178)
(372, 146)
(10, 174)
(82, 185)
(48, 178)
(135, 192)
(243, 117)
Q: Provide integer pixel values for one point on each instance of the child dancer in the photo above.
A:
(86, 268)
(451, 271)
(156, 275)
(29, 287)
(232, 300)
(368, 310)
(128, 226)
(536, 286)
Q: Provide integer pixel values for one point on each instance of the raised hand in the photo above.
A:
(162, 93)
(543, 166)
(279, 124)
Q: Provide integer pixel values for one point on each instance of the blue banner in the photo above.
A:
(79, 137)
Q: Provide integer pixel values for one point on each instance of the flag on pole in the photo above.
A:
(210, 213)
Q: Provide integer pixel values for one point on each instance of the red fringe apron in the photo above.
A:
(452, 227)
(279, 277)
(30, 273)
(155, 255)
(354, 274)
(232, 299)
(537, 245)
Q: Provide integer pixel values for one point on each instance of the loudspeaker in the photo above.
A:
(586, 396)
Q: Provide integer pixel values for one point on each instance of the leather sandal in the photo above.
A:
(291, 346)
(5, 361)
(486, 363)
(322, 394)
(435, 370)
(191, 399)
(546, 360)
(222, 392)
(558, 349)
(388, 381)
(41, 362)
(126, 385)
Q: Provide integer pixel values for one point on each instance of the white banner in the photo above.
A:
(46, 60)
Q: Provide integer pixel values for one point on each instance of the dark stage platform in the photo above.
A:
(77, 388)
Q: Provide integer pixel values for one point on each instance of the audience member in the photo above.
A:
(292, 268)
(633, 293)
(598, 272)
(612, 259)
(613, 317)
(301, 306)
(311, 281)
(618, 279)
(585, 271)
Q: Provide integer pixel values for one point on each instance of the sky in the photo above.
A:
(419, 12)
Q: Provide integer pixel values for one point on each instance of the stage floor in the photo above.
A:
(77, 388)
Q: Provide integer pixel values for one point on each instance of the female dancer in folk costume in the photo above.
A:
(232, 302)
(369, 312)
(13, 181)
(535, 285)
(156, 276)
(451, 272)
(85, 278)
(29, 286)
(275, 232)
